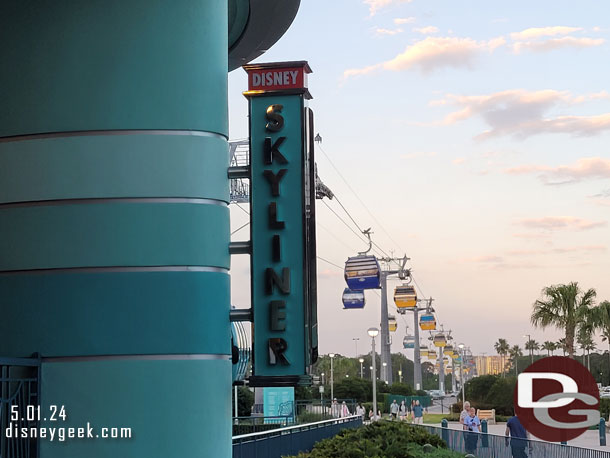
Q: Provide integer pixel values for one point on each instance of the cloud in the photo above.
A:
(426, 30)
(557, 43)
(430, 54)
(388, 31)
(543, 39)
(582, 169)
(404, 20)
(376, 5)
(563, 250)
(552, 223)
(522, 113)
(458, 160)
(537, 32)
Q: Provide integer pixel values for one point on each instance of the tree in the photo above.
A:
(515, 352)
(532, 346)
(602, 318)
(550, 347)
(562, 306)
(561, 344)
(502, 347)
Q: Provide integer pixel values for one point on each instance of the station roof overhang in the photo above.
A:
(255, 26)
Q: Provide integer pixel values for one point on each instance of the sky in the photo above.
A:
(472, 136)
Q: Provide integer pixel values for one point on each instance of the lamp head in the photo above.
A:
(361, 360)
(373, 332)
(332, 355)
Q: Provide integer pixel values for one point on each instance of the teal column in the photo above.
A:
(114, 221)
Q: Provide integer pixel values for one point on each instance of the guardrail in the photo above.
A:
(19, 387)
(291, 440)
(485, 445)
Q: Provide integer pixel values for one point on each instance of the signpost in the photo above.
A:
(282, 229)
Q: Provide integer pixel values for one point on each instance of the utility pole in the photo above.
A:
(386, 375)
(385, 330)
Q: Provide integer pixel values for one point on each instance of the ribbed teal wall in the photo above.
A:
(114, 225)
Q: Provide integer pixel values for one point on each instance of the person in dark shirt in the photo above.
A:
(518, 438)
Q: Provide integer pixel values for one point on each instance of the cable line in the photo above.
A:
(359, 199)
(331, 263)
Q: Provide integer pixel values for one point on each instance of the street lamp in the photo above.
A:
(461, 347)
(373, 332)
(400, 375)
(322, 374)
(332, 388)
(385, 365)
(356, 339)
(361, 360)
(529, 340)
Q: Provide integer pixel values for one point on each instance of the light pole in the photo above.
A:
(332, 388)
(373, 332)
(361, 360)
(322, 374)
(529, 341)
(461, 347)
(400, 375)
(384, 376)
(356, 339)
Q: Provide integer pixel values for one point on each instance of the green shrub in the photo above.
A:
(380, 439)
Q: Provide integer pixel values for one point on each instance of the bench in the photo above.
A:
(489, 415)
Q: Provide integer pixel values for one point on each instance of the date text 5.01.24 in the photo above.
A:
(36, 413)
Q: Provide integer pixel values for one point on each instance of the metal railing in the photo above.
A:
(485, 445)
(19, 388)
(291, 440)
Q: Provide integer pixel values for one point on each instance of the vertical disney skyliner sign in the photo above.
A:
(282, 226)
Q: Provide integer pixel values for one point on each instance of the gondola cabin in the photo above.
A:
(392, 323)
(405, 297)
(423, 353)
(362, 272)
(427, 322)
(455, 355)
(432, 355)
(353, 299)
(448, 350)
(408, 342)
(439, 340)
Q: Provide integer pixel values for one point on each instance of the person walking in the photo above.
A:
(518, 438)
(465, 412)
(472, 425)
(393, 410)
(344, 410)
(335, 409)
(418, 414)
(360, 410)
(402, 411)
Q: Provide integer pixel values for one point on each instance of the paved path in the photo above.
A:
(589, 440)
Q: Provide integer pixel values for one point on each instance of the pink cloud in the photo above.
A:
(431, 54)
(551, 223)
(582, 169)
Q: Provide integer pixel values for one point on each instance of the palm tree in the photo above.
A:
(515, 352)
(602, 320)
(562, 306)
(561, 344)
(502, 347)
(550, 347)
(532, 345)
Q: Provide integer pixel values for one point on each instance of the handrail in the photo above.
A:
(298, 427)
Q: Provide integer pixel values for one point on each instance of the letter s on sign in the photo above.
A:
(276, 120)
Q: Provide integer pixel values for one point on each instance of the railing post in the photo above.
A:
(602, 431)
(445, 430)
(484, 438)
